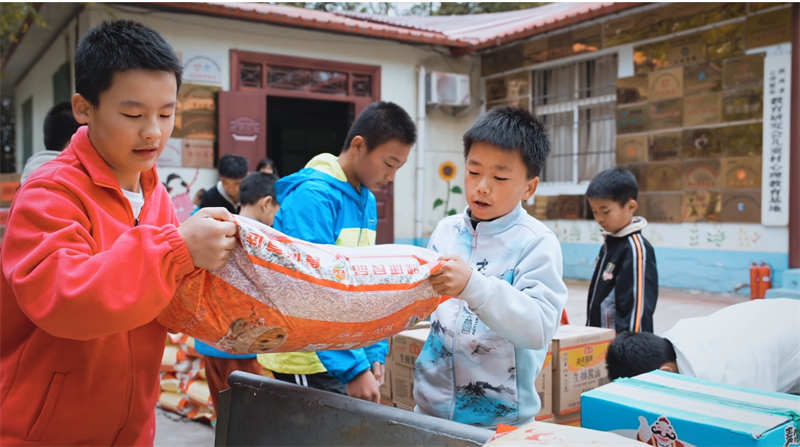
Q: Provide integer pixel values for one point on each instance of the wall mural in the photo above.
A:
(447, 172)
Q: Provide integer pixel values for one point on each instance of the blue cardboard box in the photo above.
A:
(668, 409)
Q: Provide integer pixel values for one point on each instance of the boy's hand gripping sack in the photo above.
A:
(280, 294)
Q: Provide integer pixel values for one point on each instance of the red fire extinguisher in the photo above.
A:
(755, 279)
(765, 279)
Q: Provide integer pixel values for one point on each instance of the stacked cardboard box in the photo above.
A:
(578, 365)
(544, 387)
(404, 348)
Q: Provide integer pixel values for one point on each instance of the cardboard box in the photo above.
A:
(386, 388)
(569, 419)
(197, 153)
(579, 358)
(741, 206)
(700, 413)
(741, 173)
(9, 185)
(407, 345)
(403, 385)
(544, 387)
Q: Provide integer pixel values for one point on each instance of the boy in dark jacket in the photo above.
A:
(232, 170)
(624, 287)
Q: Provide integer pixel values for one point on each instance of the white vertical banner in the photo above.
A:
(777, 110)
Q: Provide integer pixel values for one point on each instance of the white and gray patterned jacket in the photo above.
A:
(486, 349)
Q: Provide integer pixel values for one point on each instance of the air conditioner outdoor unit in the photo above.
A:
(448, 89)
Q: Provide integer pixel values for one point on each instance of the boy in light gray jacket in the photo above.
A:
(486, 349)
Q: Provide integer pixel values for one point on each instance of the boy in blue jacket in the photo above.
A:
(330, 201)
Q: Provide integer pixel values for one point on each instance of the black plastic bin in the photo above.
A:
(258, 411)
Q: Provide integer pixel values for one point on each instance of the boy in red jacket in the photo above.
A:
(93, 253)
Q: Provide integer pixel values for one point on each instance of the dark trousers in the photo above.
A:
(320, 381)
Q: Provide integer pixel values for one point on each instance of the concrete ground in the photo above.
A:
(673, 305)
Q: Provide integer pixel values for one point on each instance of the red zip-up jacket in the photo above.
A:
(82, 283)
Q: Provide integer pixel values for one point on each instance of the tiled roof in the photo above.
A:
(462, 34)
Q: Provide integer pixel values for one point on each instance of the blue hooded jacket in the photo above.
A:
(319, 205)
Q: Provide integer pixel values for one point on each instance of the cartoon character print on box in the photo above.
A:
(280, 294)
(659, 434)
(178, 191)
(485, 386)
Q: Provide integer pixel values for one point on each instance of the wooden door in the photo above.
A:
(243, 125)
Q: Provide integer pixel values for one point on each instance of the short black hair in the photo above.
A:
(615, 184)
(115, 46)
(233, 166)
(256, 186)
(267, 162)
(634, 353)
(380, 123)
(59, 126)
(514, 130)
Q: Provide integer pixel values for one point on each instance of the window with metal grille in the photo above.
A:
(576, 102)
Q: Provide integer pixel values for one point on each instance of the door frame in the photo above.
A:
(239, 57)
(265, 60)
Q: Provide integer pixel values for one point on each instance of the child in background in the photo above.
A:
(267, 166)
(59, 126)
(485, 349)
(232, 170)
(257, 196)
(93, 253)
(330, 201)
(624, 287)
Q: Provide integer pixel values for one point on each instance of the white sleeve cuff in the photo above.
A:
(477, 291)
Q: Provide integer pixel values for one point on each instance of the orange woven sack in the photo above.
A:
(280, 294)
